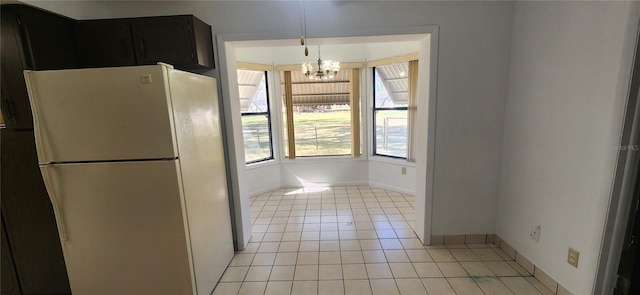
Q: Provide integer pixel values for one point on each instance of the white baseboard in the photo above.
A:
(344, 183)
(322, 184)
(392, 188)
(264, 190)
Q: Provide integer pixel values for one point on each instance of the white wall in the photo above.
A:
(315, 172)
(474, 40)
(388, 175)
(426, 122)
(239, 188)
(262, 178)
(570, 65)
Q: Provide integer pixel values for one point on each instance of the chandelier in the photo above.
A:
(326, 69)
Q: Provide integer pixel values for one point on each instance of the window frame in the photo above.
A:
(355, 84)
(374, 126)
(267, 113)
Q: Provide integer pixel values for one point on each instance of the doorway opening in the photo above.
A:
(326, 171)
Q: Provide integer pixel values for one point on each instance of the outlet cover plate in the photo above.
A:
(573, 257)
(535, 233)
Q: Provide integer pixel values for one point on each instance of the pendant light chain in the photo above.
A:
(303, 28)
(327, 69)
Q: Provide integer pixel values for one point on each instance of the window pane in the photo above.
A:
(254, 106)
(321, 115)
(257, 141)
(391, 133)
(391, 85)
(252, 87)
(322, 131)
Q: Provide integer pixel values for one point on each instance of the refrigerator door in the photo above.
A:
(102, 114)
(202, 165)
(122, 228)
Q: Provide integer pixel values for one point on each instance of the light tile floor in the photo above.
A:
(359, 240)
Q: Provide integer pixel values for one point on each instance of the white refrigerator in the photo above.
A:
(133, 162)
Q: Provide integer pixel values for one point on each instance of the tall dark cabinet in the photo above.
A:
(15, 102)
(32, 260)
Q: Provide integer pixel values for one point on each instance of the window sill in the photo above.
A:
(262, 164)
(399, 162)
(301, 160)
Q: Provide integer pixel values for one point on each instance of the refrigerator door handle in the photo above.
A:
(54, 201)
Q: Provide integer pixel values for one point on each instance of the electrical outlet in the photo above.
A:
(403, 171)
(573, 257)
(535, 233)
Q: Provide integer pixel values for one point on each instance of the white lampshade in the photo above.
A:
(335, 66)
(326, 65)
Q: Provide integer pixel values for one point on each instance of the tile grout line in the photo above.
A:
(396, 225)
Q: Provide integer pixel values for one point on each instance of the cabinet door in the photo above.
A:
(47, 39)
(31, 39)
(29, 219)
(104, 43)
(164, 39)
(9, 283)
(15, 101)
(204, 43)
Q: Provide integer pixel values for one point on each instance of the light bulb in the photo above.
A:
(335, 66)
(326, 65)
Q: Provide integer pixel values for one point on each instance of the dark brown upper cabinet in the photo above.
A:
(32, 39)
(105, 43)
(183, 41)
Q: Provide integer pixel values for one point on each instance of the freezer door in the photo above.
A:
(121, 227)
(101, 114)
